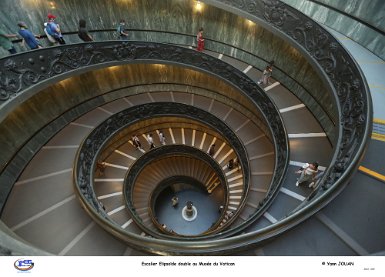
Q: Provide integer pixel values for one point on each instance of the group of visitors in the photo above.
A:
(150, 140)
(54, 35)
(52, 31)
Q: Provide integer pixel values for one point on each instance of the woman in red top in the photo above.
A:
(200, 40)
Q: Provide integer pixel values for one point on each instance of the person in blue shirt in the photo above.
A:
(28, 37)
(54, 30)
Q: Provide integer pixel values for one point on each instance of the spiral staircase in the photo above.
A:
(83, 178)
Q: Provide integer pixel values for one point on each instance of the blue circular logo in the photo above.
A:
(23, 264)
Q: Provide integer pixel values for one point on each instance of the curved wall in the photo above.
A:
(345, 16)
(370, 12)
(50, 103)
(180, 16)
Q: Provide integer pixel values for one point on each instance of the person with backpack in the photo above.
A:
(53, 29)
(123, 35)
(51, 40)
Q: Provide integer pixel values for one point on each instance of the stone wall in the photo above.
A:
(330, 13)
(180, 16)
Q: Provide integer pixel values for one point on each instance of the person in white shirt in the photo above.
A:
(150, 141)
(308, 172)
(174, 201)
(266, 75)
(162, 138)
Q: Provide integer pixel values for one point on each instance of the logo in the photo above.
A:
(23, 265)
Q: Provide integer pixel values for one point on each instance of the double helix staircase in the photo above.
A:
(49, 204)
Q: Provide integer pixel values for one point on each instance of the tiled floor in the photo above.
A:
(207, 212)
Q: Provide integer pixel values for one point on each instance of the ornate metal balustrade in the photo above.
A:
(22, 78)
(332, 61)
(49, 65)
(69, 59)
(100, 136)
(340, 72)
(214, 45)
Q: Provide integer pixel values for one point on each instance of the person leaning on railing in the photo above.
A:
(82, 32)
(123, 35)
(6, 43)
(28, 37)
(54, 30)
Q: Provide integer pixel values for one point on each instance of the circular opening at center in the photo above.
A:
(189, 211)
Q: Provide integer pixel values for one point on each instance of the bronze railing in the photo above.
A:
(334, 64)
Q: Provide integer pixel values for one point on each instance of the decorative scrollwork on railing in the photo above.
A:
(18, 74)
(93, 144)
(276, 12)
(47, 64)
(344, 77)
